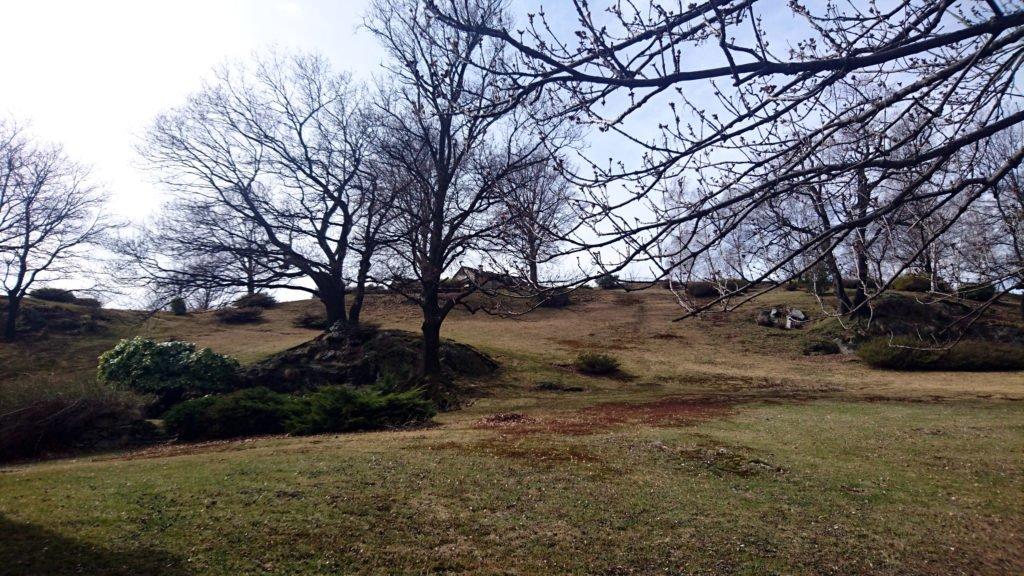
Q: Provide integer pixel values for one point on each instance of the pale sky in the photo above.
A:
(93, 74)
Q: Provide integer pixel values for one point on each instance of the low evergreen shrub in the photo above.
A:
(555, 300)
(607, 282)
(314, 320)
(54, 295)
(257, 300)
(249, 315)
(178, 306)
(258, 411)
(978, 291)
(250, 412)
(341, 409)
(911, 354)
(912, 283)
(702, 289)
(596, 363)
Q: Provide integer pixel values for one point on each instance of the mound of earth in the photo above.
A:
(938, 320)
(359, 357)
(40, 318)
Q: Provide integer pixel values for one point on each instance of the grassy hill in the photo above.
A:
(722, 449)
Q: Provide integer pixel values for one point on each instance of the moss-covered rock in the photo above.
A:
(360, 357)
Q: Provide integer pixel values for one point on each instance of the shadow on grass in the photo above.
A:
(27, 550)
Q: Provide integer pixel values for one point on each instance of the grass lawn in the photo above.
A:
(722, 450)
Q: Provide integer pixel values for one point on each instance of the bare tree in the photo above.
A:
(760, 132)
(49, 215)
(456, 160)
(537, 212)
(279, 145)
(198, 251)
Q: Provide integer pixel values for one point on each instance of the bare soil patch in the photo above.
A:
(666, 412)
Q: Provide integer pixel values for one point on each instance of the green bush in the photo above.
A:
(178, 306)
(312, 320)
(54, 295)
(596, 363)
(911, 354)
(702, 289)
(607, 281)
(979, 291)
(239, 315)
(341, 409)
(257, 411)
(89, 302)
(912, 283)
(250, 412)
(559, 299)
(820, 347)
(173, 371)
(851, 283)
(257, 300)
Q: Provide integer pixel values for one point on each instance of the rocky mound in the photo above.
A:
(896, 315)
(359, 357)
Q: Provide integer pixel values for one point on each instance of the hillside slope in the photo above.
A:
(721, 449)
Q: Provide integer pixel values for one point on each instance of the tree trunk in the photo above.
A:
(1021, 301)
(533, 251)
(334, 303)
(860, 247)
(360, 292)
(837, 283)
(431, 366)
(432, 348)
(11, 318)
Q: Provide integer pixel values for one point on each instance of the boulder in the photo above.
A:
(782, 317)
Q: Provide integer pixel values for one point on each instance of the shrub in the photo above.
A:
(912, 283)
(173, 371)
(54, 295)
(979, 291)
(851, 283)
(248, 412)
(702, 289)
(907, 353)
(59, 423)
(596, 363)
(89, 302)
(820, 347)
(341, 409)
(178, 306)
(555, 300)
(257, 300)
(239, 315)
(312, 320)
(59, 320)
(258, 411)
(607, 281)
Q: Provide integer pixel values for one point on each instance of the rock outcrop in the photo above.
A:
(782, 317)
(360, 357)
